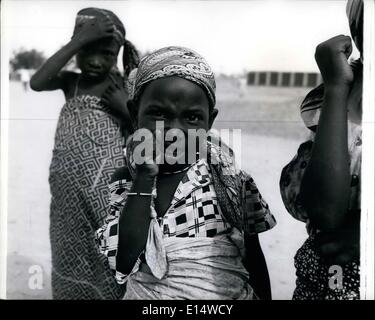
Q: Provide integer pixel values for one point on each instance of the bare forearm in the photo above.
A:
(41, 80)
(325, 186)
(255, 264)
(134, 224)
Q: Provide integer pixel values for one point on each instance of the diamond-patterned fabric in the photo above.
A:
(88, 149)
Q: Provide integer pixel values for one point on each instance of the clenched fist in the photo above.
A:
(146, 152)
(332, 59)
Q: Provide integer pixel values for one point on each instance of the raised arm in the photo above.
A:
(325, 186)
(135, 218)
(49, 76)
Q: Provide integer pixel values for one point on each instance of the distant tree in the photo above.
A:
(26, 59)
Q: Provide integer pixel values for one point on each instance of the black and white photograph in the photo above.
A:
(187, 150)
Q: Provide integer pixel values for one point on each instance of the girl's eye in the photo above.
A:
(193, 118)
(108, 53)
(157, 113)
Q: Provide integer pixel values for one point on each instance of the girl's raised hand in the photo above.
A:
(332, 59)
(95, 29)
(115, 98)
(146, 153)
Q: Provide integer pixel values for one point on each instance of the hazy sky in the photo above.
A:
(232, 35)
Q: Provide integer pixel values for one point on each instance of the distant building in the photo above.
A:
(284, 79)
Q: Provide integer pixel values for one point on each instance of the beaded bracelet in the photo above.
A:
(153, 195)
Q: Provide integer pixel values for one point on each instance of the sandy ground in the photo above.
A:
(271, 133)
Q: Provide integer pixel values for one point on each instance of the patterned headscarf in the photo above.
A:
(173, 61)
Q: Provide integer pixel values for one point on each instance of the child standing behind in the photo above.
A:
(88, 147)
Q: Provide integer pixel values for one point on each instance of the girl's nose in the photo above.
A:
(174, 124)
(175, 128)
(94, 62)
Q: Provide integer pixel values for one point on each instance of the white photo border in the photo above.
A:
(368, 167)
(368, 135)
(4, 116)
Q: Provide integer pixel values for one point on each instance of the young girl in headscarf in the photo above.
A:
(321, 185)
(187, 230)
(88, 147)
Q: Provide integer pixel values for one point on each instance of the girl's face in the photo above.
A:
(179, 103)
(98, 58)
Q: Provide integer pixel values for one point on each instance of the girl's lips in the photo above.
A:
(167, 143)
(92, 72)
(175, 143)
(174, 158)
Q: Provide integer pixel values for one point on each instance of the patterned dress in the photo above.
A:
(88, 148)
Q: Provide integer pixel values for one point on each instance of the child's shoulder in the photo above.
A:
(245, 179)
(247, 183)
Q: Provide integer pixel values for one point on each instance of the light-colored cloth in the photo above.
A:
(174, 61)
(197, 268)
